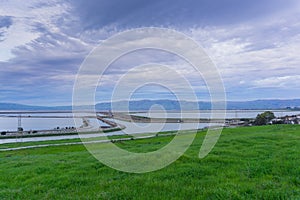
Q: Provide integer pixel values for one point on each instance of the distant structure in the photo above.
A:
(110, 114)
(20, 129)
(293, 119)
(85, 123)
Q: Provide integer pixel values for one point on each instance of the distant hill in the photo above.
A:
(186, 105)
(167, 105)
(263, 104)
(14, 106)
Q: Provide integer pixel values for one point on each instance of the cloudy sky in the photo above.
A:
(255, 45)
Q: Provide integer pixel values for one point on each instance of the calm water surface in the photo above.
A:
(10, 123)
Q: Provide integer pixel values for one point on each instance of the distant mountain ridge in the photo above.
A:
(166, 104)
(14, 106)
(202, 105)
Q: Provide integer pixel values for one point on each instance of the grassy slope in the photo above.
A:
(247, 163)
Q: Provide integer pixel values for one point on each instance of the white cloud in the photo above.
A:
(25, 15)
(251, 51)
(279, 82)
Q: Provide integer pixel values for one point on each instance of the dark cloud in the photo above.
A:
(135, 13)
(5, 21)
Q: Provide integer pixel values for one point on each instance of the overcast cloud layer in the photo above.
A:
(255, 45)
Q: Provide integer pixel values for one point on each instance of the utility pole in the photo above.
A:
(20, 129)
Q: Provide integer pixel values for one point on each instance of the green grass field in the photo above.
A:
(247, 163)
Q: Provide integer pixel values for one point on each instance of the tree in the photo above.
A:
(264, 118)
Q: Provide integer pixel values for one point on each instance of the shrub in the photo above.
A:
(264, 118)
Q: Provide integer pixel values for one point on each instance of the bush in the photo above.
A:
(264, 118)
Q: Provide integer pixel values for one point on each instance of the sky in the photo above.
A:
(254, 44)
